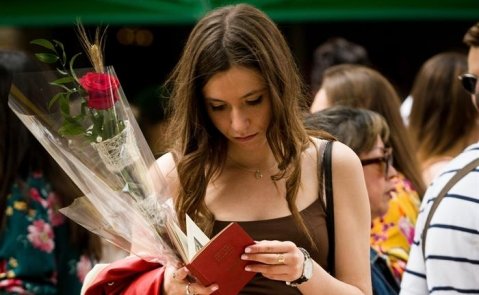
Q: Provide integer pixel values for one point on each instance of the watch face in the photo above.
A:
(308, 269)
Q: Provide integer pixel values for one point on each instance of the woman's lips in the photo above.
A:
(245, 138)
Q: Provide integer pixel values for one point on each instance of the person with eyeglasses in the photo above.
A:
(362, 87)
(444, 258)
(367, 134)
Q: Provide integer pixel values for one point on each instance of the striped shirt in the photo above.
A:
(452, 247)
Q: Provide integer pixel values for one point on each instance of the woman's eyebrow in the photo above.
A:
(248, 94)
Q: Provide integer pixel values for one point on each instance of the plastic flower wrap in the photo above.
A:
(83, 119)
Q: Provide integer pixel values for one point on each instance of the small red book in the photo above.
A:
(217, 260)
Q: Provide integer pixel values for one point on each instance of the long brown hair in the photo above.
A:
(439, 103)
(359, 86)
(239, 35)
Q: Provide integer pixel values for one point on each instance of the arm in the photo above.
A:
(352, 225)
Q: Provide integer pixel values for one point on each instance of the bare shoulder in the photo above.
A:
(344, 158)
(342, 155)
(348, 177)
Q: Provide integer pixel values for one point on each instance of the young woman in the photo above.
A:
(241, 153)
(359, 86)
(366, 132)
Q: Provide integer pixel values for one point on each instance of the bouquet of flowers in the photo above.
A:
(83, 119)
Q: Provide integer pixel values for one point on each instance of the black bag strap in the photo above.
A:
(458, 176)
(328, 189)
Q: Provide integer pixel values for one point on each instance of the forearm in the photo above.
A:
(323, 283)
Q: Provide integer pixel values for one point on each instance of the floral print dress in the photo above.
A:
(35, 254)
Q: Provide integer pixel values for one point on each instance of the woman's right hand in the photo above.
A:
(176, 282)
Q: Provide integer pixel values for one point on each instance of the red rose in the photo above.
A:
(102, 90)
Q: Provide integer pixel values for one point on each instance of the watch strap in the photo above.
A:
(302, 278)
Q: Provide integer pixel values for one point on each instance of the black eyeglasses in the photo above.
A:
(469, 82)
(385, 161)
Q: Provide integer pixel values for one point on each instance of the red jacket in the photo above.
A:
(128, 276)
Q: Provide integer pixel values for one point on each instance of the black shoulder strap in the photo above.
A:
(328, 182)
(460, 174)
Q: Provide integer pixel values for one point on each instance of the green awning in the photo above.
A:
(153, 12)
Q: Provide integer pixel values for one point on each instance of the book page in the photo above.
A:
(179, 239)
(196, 238)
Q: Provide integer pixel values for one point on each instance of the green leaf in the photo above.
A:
(47, 57)
(62, 72)
(62, 48)
(64, 101)
(64, 80)
(61, 86)
(71, 65)
(79, 117)
(44, 43)
(71, 128)
(54, 99)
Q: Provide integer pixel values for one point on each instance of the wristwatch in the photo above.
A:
(307, 270)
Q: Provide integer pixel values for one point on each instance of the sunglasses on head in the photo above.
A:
(385, 161)
(469, 82)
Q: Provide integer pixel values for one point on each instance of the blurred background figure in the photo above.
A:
(361, 87)
(367, 134)
(153, 118)
(333, 52)
(41, 251)
(443, 121)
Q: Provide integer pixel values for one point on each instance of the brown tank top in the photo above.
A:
(284, 229)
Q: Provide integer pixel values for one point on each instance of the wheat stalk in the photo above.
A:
(94, 50)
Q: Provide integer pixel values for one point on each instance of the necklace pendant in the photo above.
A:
(258, 174)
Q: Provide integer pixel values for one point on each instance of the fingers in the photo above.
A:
(275, 260)
(270, 258)
(271, 247)
(175, 279)
(180, 274)
(197, 289)
(177, 282)
(274, 253)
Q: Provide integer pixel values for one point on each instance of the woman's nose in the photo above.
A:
(392, 172)
(239, 120)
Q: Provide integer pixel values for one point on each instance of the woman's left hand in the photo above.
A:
(176, 281)
(281, 261)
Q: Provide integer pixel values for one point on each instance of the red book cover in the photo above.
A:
(220, 262)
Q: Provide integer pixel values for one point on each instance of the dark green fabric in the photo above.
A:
(54, 12)
(35, 253)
